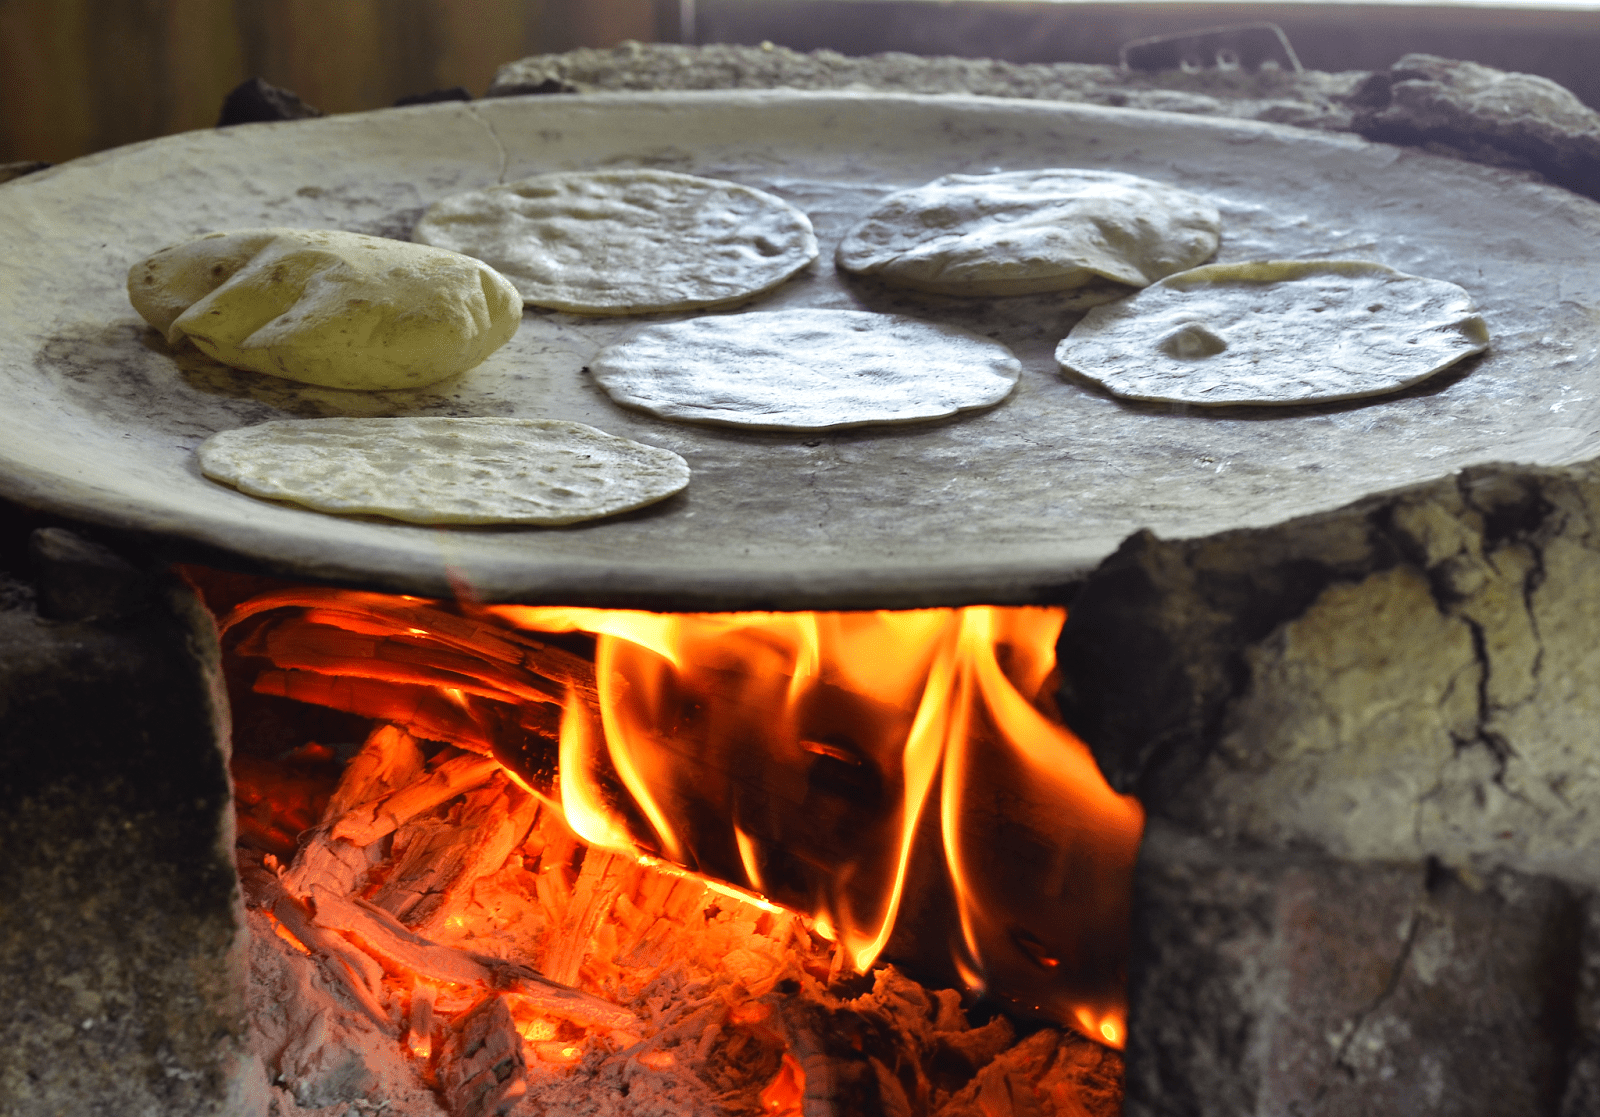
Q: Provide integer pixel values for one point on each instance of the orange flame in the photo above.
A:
(723, 728)
(822, 760)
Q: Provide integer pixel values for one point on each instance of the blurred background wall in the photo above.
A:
(81, 75)
(1558, 39)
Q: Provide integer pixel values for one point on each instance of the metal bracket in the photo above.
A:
(1244, 46)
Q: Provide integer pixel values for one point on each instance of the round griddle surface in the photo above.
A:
(1003, 506)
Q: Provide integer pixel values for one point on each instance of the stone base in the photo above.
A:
(1286, 983)
(1366, 744)
(121, 943)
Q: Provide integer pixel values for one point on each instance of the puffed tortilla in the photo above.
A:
(1028, 232)
(806, 370)
(626, 241)
(436, 470)
(326, 307)
(1275, 332)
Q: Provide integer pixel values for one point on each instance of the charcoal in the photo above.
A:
(9, 171)
(1485, 114)
(255, 101)
(80, 580)
(434, 96)
(482, 1069)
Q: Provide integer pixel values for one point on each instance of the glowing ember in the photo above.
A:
(782, 1097)
(288, 936)
(420, 1026)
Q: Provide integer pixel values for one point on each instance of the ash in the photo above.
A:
(439, 944)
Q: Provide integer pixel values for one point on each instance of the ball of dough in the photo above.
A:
(336, 309)
(1027, 232)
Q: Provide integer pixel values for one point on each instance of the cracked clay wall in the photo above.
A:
(1369, 747)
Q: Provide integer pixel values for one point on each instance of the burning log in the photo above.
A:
(423, 710)
(409, 632)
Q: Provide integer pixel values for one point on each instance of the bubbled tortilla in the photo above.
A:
(626, 241)
(445, 471)
(1275, 332)
(1027, 232)
(336, 309)
(806, 370)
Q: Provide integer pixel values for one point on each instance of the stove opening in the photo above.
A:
(503, 859)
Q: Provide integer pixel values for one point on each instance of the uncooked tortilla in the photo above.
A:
(806, 370)
(626, 241)
(1276, 332)
(445, 471)
(336, 309)
(1026, 232)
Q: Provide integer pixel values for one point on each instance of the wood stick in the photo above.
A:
(439, 866)
(387, 762)
(368, 823)
(408, 951)
(355, 971)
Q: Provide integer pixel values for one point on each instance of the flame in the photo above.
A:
(581, 799)
(749, 857)
(819, 759)
(877, 718)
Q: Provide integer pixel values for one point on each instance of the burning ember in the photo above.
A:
(787, 797)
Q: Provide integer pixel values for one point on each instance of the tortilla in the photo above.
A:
(445, 471)
(805, 370)
(336, 309)
(626, 241)
(1028, 232)
(1275, 332)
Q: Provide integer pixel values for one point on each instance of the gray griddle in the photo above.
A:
(1006, 506)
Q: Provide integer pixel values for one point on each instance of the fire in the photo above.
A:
(720, 729)
(821, 761)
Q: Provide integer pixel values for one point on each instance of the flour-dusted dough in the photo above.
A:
(1275, 332)
(806, 370)
(336, 309)
(626, 241)
(1026, 232)
(446, 471)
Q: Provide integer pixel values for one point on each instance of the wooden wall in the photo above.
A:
(81, 75)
